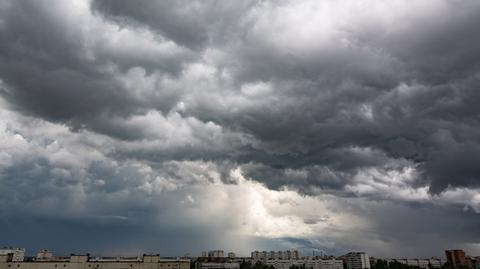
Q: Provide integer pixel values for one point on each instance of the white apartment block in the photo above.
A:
(422, 263)
(309, 264)
(218, 265)
(44, 254)
(357, 260)
(324, 264)
(18, 254)
(283, 264)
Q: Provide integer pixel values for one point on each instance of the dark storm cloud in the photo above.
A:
(49, 69)
(442, 227)
(375, 103)
(43, 66)
(194, 24)
(327, 169)
(329, 92)
(409, 85)
(380, 91)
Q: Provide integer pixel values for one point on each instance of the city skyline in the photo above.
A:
(215, 259)
(179, 126)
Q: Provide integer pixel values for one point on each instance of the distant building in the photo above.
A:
(357, 260)
(275, 255)
(294, 255)
(217, 265)
(283, 264)
(18, 254)
(456, 257)
(473, 262)
(44, 254)
(272, 255)
(215, 254)
(231, 255)
(324, 264)
(422, 263)
(308, 263)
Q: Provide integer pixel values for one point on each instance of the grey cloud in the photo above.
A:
(366, 94)
(59, 75)
(192, 24)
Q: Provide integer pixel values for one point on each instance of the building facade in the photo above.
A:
(325, 264)
(217, 265)
(44, 254)
(456, 257)
(215, 254)
(18, 254)
(473, 262)
(422, 263)
(357, 260)
(308, 263)
(283, 264)
(275, 255)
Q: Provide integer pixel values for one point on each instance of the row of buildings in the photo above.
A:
(18, 254)
(287, 259)
(14, 258)
(422, 263)
(45, 260)
(217, 254)
(455, 258)
(275, 255)
(458, 259)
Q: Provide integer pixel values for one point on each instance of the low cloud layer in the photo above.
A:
(189, 125)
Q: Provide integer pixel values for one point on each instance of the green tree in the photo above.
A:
(381, 264)
(245, 265)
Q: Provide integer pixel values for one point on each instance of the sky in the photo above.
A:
(172, 127)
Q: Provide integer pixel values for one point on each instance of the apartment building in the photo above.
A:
(422, 263)
(18, 254)
(357, 260)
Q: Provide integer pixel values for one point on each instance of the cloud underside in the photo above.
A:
(332, 125)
